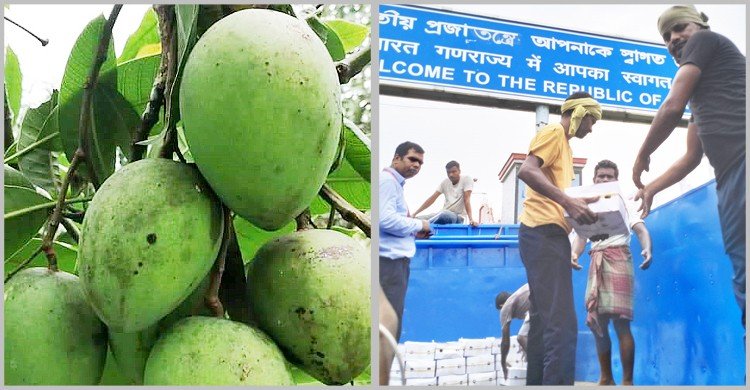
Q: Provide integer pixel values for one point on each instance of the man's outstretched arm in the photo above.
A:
(684, 165)
(427, 203)
(667, 117)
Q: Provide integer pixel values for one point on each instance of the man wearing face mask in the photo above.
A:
(397, 228)
(543, 241)
(711, 79)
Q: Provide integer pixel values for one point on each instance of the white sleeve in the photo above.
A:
(468, 183)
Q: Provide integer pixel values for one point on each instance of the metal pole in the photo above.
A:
(542, 116)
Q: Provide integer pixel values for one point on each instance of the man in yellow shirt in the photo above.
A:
(544, 245)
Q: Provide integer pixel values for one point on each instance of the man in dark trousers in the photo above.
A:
(711, 79)
(397, 228)
(543, 241)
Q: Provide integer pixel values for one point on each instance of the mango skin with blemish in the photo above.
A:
(260, 102)
(310, 291)
(150, 235)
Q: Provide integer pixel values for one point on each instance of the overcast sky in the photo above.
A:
(482, 139)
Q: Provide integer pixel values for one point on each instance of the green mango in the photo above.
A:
(52, 337)
(131, 350)
(205, 351)
(310, 291)
(260, 103)
(150, 235)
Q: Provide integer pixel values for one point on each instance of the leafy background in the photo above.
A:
(41, 141)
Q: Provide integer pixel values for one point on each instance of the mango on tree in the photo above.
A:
(52, 336)
(310, 291)
(150, 235)
(215, 351)
(260, 104)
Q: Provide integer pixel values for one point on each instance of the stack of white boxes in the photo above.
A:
(466, 362)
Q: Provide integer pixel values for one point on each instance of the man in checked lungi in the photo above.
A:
(609, 289)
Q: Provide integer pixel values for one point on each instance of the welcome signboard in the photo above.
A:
(522, 61)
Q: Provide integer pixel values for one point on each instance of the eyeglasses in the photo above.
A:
(415, 160)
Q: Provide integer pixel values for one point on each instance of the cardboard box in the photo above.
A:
(449, 350)
(450, 366)
(419, 368)
(414, 350)
(610, 208)
(421, 382)
(483, 379)
(476, 347)
(453, 380)
(481, 363)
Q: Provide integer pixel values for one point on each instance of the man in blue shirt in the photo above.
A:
(397, 228)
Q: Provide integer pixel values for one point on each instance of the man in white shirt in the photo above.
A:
(457, 192)
(609, 290)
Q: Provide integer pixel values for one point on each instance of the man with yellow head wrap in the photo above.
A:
(711, 79)
(543, 242)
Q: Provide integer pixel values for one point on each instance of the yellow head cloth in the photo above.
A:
(680, 14)
(581, 107)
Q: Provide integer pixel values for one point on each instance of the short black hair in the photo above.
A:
(451, 164)
(576, 95)
(404, 148)
(607, 164)
(501, 298)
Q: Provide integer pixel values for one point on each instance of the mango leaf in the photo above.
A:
(352, 178)
(66, 256)
(13, 79)
(351, 34)
(147, 34)
(113, 120)
(51, 127)
(357, 150)
(20, 229)
(37, 165)
(12, 177)
(135, 79)
(187, 36)
(329, 37)
(251, 237)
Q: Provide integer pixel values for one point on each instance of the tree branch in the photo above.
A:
(81, 152)
(212, 294)
(151, 114)
(304, 220)
(347, 211)
(54, 220)
(352, 65)
(88, 93)
(8, 123)
(71, 228)
(167, 31)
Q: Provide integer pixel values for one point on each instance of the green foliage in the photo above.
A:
(113, 119)
(13, 80)
(357, 150)
(19, 195)
(329, 37)
(135, 80)
(66, 256)
(146, 34)
(38, 164)
(251, 238)
(350, 34)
